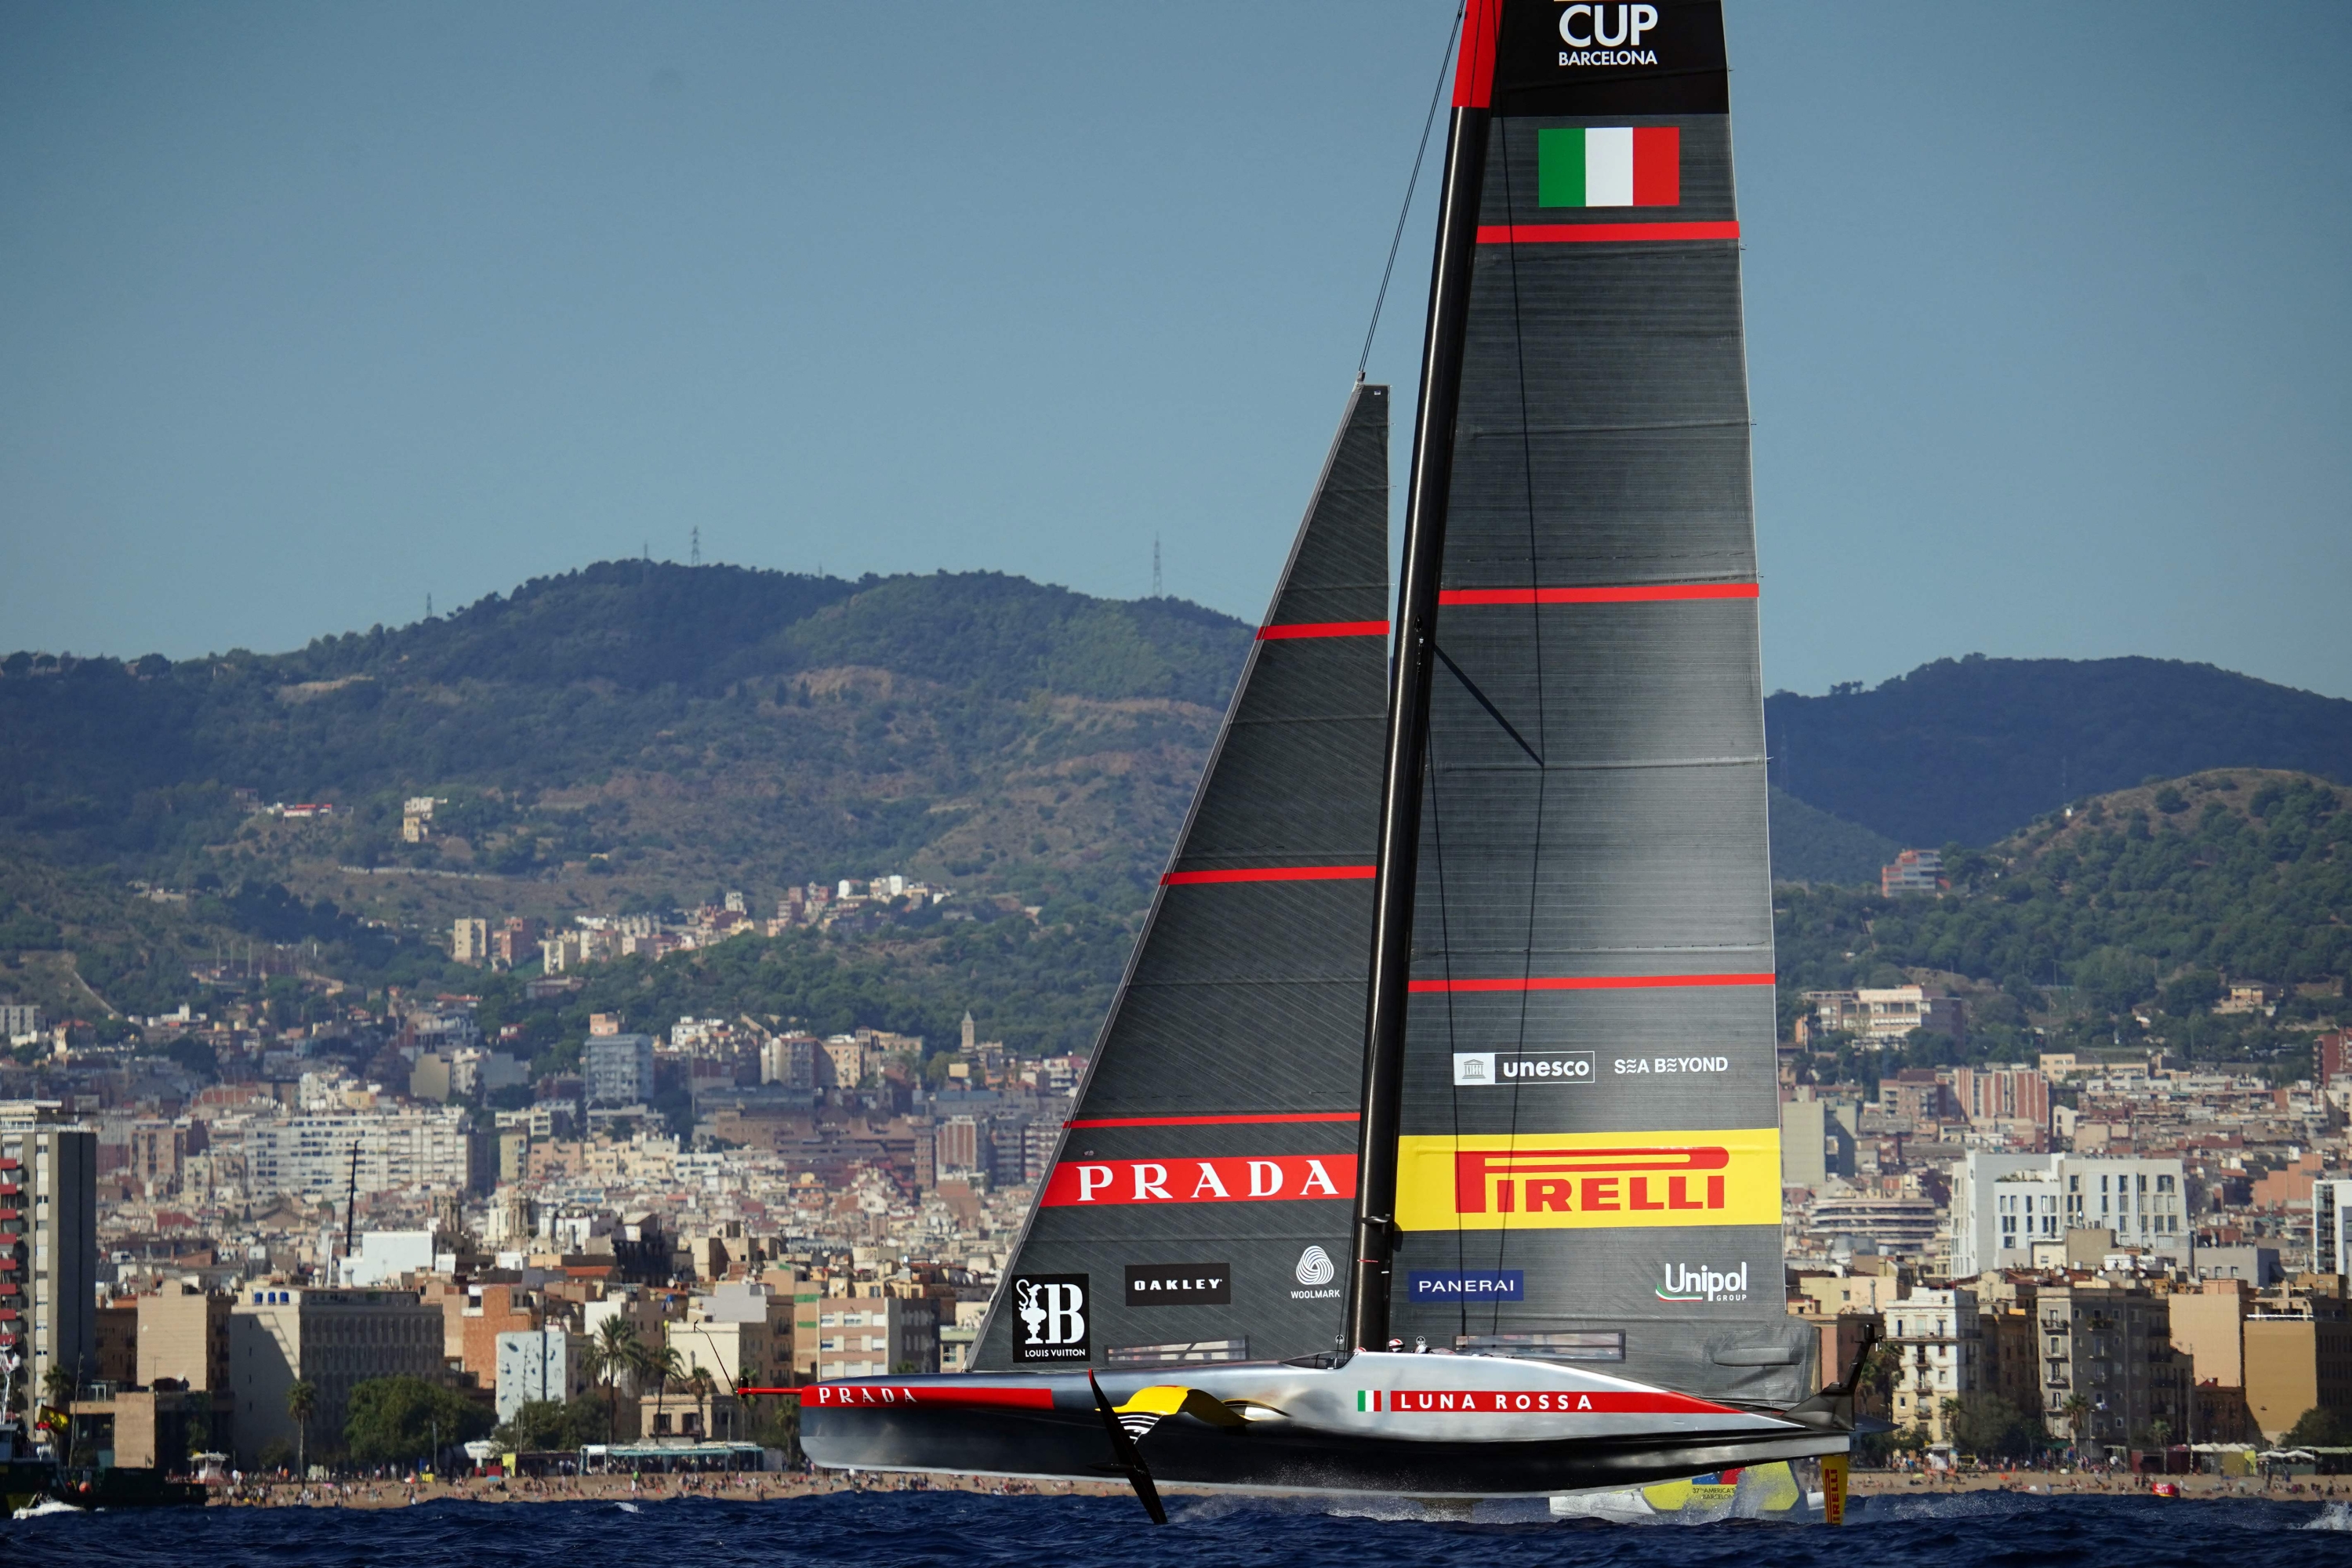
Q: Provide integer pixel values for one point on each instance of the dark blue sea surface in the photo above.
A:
(1977, 1531)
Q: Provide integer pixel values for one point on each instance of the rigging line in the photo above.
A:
(1535, 628)
(1443, 59)
(1436, 818)
(1493, 713)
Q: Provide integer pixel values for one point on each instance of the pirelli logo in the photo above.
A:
(1589, 1180)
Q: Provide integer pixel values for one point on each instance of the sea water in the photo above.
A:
(1980, 1529)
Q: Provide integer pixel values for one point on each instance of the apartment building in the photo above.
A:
(2003, 1204)
(2298, 1357)
(184, 1337)
(1884, 1015)
(332, 1340)
(539, 1364)
(1937, 1339)
(2111, 1345)
(873, 1336)
(48, 1240)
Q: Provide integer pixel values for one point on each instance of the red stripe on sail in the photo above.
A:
(1474, 67)
(1551, 233)
(1324, 629)
(1274, 874)
(1657, 165)
(1592, 983)
(1640, 593)
(1268, 1119)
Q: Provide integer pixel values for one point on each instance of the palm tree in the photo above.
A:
(661, 1364)
(612, 1354)
(300, 1400)
(2076, 1411)
(699, 1383)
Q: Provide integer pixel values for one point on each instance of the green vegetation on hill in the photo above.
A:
(1809, 844)
(1973, 749)
(681, 728)
(2120, 924)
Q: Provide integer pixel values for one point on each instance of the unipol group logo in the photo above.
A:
(1053, 1312)
(1607, 35)
(1684, 1283)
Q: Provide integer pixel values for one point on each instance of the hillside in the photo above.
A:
(664, 730)
(2120, 924)
(1973, 749)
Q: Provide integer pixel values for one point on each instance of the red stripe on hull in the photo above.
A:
(1595, 233)
(1569, 1402)
(1272, 874)
(1636, 593)
(1592, 983)
(881, 1396)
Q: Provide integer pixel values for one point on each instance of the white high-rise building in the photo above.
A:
(49, 1241)
(2003, 1204)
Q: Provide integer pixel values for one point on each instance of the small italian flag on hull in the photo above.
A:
(1610, 166)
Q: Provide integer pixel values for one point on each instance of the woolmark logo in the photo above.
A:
(1684, 1283)
(1316, 1271)
(1606, 34)
(1053, 1312)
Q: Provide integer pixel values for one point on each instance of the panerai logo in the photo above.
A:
(1684, 1283)
(1053, 1312)
(1606, 34)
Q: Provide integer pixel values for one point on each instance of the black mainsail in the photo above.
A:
(1577, 1061)
(1198, 1207)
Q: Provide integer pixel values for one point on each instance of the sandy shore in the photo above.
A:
(2094, 1484)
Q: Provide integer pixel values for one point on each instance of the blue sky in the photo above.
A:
(309, 312)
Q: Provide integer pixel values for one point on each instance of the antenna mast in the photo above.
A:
(352, 1200)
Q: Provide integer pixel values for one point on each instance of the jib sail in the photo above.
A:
(1586, 1152)
(1198, 1208)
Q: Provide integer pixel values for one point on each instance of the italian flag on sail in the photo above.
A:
(1610, 166)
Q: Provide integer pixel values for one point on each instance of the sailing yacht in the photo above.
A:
(1431, 1143)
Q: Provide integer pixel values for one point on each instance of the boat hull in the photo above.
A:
(1386, 1424)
